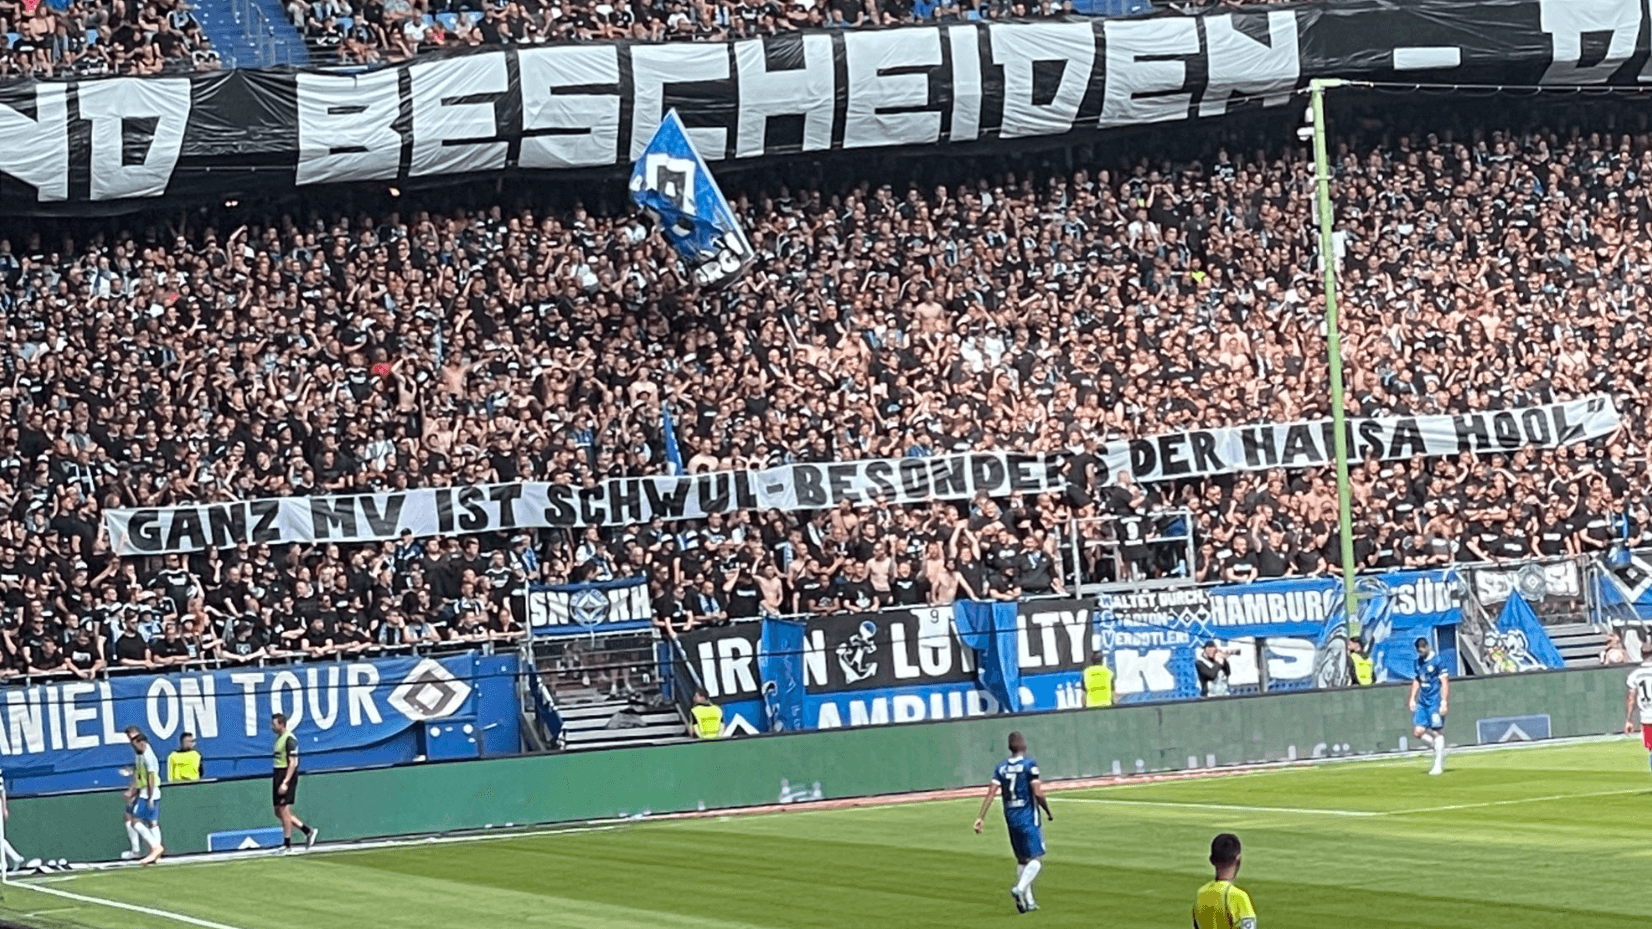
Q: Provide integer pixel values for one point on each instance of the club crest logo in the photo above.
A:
(429, 691)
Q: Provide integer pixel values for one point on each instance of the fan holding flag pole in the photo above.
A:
(672, 184)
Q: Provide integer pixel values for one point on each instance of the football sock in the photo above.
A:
(1439, 749)
(157, 830)
(1028, 875)
(11, 853)
(148, 835)
(1020, 869)
(1428, 738)
(132, 833)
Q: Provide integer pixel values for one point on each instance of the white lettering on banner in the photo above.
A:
(1242, 65)
(966, 83)
(1425, 595)
(1040, 635)
(1293, 606)
(322, 717)
(25, 720)
(1022, 50)
(654, 68)
(248, 681)
(161, 708)
(362, 679)
(889, 87)
(1147, 70)
(622, 501)
(1142, 671)
(766, 93)
(74, 714)
(1290, 659)
(35, 150)
(453, 115)
(570, 106)
(109, 105)
(347, 127)
(106, 710)
(200, 705)
(591, 607)
(907, 708)
(1569, 25)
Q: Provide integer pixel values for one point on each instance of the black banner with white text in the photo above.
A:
(107, 144)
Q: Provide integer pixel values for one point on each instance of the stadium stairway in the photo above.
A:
(617, 723)
(1579, 644)
(251, 33)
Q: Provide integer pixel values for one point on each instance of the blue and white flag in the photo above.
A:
(673, 453)
(673, 184)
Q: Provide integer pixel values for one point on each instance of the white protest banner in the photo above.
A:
(1203, 452)
(619, 501)
(623, 501)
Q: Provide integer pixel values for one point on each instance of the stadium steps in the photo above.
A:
(1579, 643)
(251, 33)
(585, 726)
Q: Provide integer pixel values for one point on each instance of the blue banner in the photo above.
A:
(672, 183)
(600, 606)
(1519, 642)
(990, 630)
(1152, 637)
(780, 666)
(668, 438)
(70, 735)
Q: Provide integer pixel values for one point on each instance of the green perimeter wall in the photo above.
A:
(744, 772)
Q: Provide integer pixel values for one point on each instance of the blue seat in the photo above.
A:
(91, 37)
(449, 21)
(346, 23)
(429, 20)
(12, 37)
(473, 16)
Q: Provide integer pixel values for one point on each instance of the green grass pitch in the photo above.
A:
(1554, 836)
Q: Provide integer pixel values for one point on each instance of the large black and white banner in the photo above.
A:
(619, 501)
(88, 145)
(626, 501)
(1312, 444)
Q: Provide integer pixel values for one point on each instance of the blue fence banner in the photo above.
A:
(1512, 729)
(1152, 636)
(579, 609)
(672, 183)
(780, 666)
(1518, 641)
(70, 735)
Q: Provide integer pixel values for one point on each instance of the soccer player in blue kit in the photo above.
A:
(1429, 699)
(1017, 778)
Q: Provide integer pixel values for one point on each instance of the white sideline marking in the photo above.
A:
(133, 907)
(1328, 812)
(1217, 806)
(1475, 806)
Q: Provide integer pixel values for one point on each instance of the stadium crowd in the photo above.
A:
(1043, 310)
(87, 38)
(393, 30)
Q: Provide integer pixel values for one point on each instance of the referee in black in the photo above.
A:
(284, 784)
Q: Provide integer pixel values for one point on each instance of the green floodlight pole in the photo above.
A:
(1333, 338)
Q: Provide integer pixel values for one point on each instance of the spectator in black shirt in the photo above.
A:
(169, 649)
(245, 647)
(131, 651)
(1034, 571)
(708, 610)
(1003, 587)
(317, 641)
(671, 612)
(743, 594)
(49, 658)
(1242, 565)
(85, 655)
(906, 588)
(1272, 558)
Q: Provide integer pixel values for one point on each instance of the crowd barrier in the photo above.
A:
(444, 797)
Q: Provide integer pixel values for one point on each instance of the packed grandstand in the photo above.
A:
(403, 384)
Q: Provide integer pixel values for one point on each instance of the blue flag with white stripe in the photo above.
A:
(672, 183)
(673, 454)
